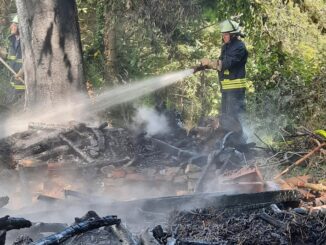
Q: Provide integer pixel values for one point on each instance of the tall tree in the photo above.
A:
(52, 53)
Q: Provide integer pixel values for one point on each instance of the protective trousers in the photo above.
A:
(233, 108)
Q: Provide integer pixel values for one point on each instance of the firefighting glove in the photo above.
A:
(3, 53)
(211, 64)
(20, 74)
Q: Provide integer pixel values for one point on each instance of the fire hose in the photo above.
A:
(11, 70)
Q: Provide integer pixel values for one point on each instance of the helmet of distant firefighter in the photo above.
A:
(15, 19)
(230, 26)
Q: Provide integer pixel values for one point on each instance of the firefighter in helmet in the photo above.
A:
(231, 67)
(13, 55)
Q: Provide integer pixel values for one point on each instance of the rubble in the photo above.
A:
(260, 226)
(58, 168)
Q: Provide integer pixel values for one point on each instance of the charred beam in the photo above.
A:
(269, 219)
(76, 149)
(165, 147)
(79, 228)
(8, 223)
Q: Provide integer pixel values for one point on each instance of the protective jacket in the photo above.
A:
(14, 53)
(15, 60)
(234, 56)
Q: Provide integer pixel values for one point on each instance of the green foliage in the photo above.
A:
(286, 41)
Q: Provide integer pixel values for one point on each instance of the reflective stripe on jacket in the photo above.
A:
(234, 57)
(18, 86)
(234, 84)
(14, 58)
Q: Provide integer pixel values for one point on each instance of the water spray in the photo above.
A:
(106, 100)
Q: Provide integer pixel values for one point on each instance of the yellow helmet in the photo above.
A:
(230, 26)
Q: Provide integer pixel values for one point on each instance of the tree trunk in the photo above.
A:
(110, 52)
(52, 53)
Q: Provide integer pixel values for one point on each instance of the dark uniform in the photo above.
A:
(233, 84)
(15, 60)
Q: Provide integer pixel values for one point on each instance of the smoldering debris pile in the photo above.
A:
(260, 226)
(56, 160)
(77, 167)
(228, 223)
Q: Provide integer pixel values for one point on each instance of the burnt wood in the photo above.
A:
(8, 223)
(79, 228)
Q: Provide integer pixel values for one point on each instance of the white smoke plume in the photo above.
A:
(153, 122)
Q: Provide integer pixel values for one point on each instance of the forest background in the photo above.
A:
(127, 40)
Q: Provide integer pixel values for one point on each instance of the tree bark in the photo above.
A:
(52, 53)
(110, 48)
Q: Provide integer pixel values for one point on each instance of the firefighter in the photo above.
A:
(232, 76)
(13, 55)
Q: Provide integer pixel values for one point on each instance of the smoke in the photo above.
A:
(153, 122)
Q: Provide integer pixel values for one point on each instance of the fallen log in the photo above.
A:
(77, 229)
(297, 163)
(4, 201)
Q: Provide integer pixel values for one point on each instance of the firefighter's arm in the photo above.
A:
(234, 58)
(211, 64)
